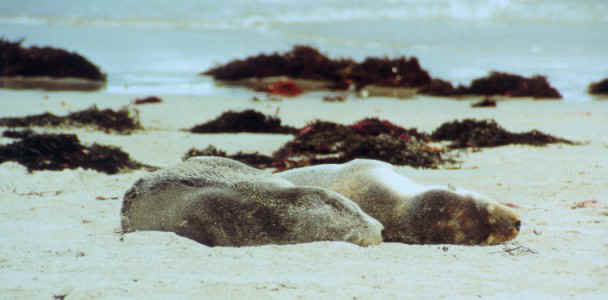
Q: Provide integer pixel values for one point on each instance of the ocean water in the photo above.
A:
(154, 47)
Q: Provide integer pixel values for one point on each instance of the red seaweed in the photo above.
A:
(286, 88)
(327, 142)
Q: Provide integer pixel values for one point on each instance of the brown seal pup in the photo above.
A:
(221, 202)
(413, 213)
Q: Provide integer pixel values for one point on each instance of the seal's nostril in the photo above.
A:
(517, 224)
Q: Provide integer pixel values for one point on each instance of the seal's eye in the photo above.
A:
(517, 224)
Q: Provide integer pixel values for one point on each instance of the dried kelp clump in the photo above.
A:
(599, 88)
(253, 159)
(122, 121)
(398, 72)
(374, 126)
(486, 102)
(245, 121)
(304, 62)
(301, 62)
(17, 134)
(442, 88)
(64, 151)
(487, 133)
(505, 84)
(147, 100)
(307, 63)
(327, 142)
(497, 83)
(323, 142)
(45, 61)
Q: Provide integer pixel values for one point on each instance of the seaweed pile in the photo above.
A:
(398, 72)
(304, 62)
(326, 142)
(122, 121)
(486, 102)
(505, 84)
(64, 151)
(442, 88)
(599, 88)
(147, 100)
(14, 134)
(497, 83)
(245, 121)
(16, 60)
(487, 133)
(301, 62)
(253, 159)
(336, 98)
(322, 142)
(287, 88)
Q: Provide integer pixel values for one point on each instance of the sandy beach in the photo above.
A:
(60, 230)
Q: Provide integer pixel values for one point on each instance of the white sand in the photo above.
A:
(57, 239)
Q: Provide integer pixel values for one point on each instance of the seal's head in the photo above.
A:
(441, 216)
(326, 215)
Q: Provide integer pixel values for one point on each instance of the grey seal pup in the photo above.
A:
(221, 202)
(410, 212)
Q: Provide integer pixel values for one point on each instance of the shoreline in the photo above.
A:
(369, 91)
(50, 83)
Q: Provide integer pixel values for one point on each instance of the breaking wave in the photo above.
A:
(239, 13)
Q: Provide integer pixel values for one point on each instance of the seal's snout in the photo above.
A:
(517, 225)
(504, 223)
(372, 235)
